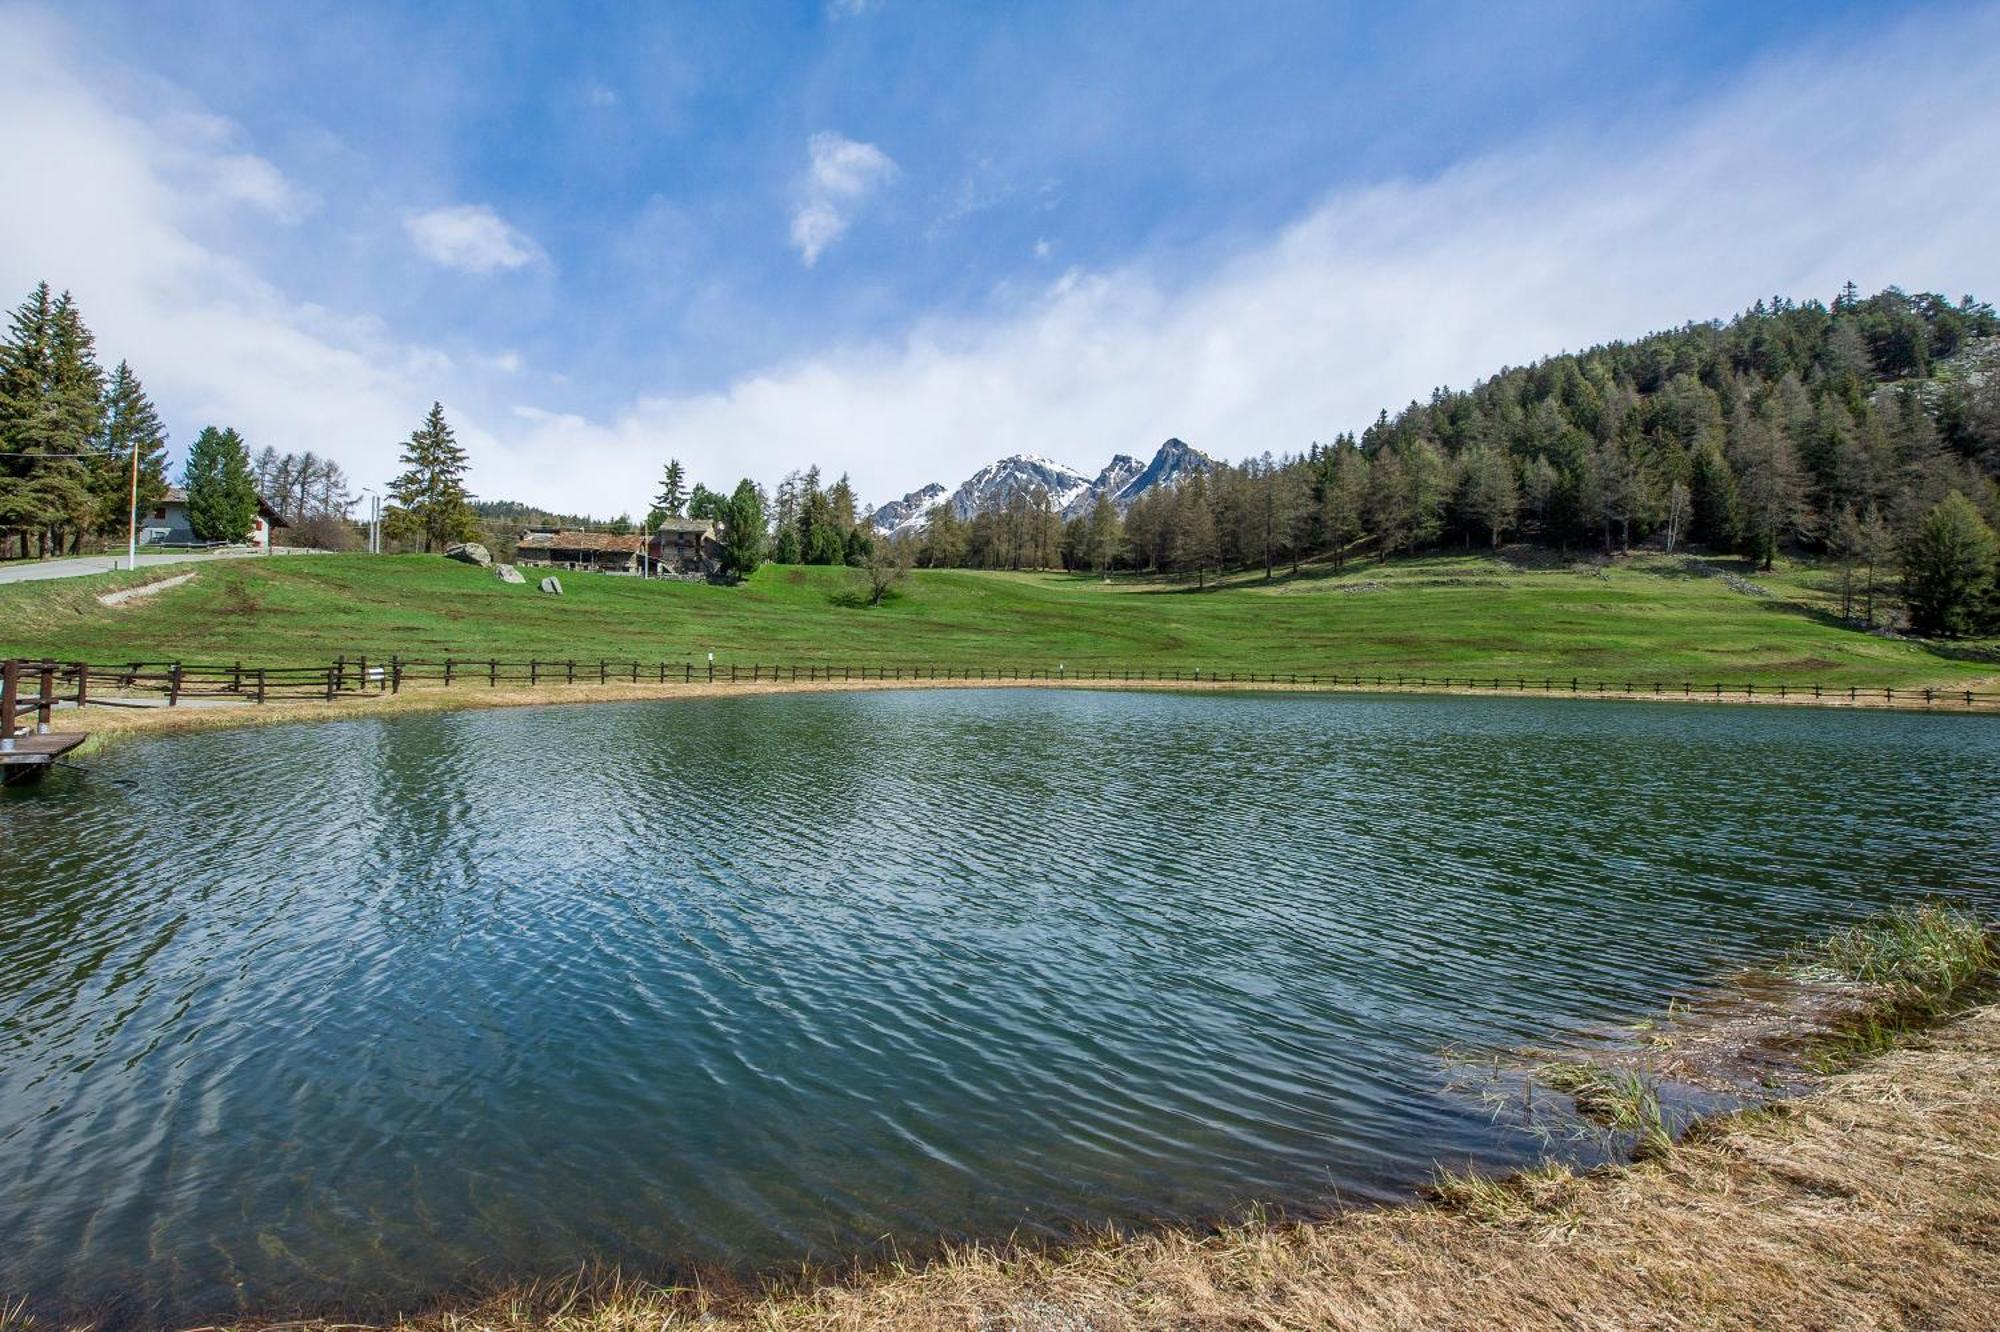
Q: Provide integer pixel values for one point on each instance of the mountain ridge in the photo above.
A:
(1071, 493)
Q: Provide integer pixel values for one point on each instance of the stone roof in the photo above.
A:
(592, 541)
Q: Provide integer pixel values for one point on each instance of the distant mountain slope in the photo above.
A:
(907, 513)
(1071, 493)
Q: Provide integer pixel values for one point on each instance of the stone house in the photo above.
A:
(593, 552)
(685, 546)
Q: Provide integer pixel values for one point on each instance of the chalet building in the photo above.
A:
(684, 546)
(167, 524)
(594, 552)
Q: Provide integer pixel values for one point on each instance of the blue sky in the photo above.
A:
(904, 238)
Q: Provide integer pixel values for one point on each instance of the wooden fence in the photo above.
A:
(132, 684)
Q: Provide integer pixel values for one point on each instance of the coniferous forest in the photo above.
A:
(1844, 431)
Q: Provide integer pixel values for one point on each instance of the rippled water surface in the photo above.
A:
(336, 1015)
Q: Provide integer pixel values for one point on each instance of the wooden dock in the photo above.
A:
(32, 755)
(26, 756)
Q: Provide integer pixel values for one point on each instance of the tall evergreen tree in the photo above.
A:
(1948, 566)
(221, 494)
(743, 537)
(130, 426)
(429, 502)
(671, 502)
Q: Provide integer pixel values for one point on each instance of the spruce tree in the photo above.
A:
(743, 539)
(221, 493)
(24, 384)
(429, 502)
(1948, 566)
(129, 425)
(671, 502)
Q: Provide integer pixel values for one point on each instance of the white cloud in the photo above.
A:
(1044, 248)
(843, 172)
(246, 178)
(471, 238)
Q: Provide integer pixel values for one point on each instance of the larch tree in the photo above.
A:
(1492, 496)
(429, 502)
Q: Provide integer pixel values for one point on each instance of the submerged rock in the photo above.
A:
(470, 552)
(552, 585)
(507, 573)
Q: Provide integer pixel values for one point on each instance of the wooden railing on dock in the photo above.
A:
(137, 683)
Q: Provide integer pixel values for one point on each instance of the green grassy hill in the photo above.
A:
(1645, 619)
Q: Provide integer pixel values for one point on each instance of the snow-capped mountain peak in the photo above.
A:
(1071, 494)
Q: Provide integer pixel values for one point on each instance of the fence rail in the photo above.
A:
(131, 683)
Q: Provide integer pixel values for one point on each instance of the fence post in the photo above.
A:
(603, 671)
(361, 675)
(82, 684)
(174, 685)
(340, 671)
(10, 689)
(534, 672)
(571, 677)
(260, 684)
(447, 672)
(395, 674)
(332, 682)
(45, 676)
(236, 679)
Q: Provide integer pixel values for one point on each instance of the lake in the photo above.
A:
(347, 1015)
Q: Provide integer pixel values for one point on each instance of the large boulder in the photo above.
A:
(508, 573)
(471, 552)
(552, 585)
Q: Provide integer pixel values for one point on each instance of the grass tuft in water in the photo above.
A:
(1618, 1099)
(1925, 955)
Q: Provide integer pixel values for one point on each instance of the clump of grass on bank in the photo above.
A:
(1916, 964)
(1924, 956)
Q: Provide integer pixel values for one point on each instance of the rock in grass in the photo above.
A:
(470, 552)
(508, 573)
(552, 585)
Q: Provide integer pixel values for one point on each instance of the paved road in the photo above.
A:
(28, 571)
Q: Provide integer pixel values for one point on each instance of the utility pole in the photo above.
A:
(132, 515)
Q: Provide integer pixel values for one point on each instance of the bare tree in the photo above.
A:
(888, 563)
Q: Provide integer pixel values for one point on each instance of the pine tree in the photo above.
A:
(25, 357)
(130, 425)
(1948, 566)
(221, 494)
(671, 502)
(429, 502)
(743, 537)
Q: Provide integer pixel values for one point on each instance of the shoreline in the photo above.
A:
(104, 723)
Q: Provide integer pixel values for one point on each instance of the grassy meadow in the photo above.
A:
(1643, 619)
